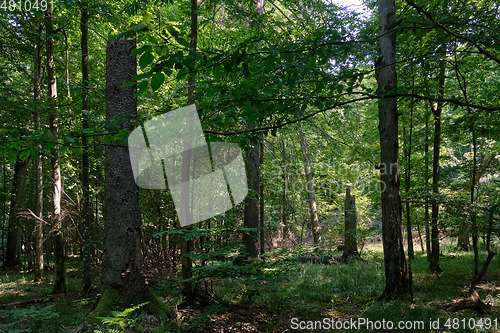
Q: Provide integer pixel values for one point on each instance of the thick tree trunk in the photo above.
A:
(38, 232)
(434, 257)
(58, 236)
(313, 210)
(13, 251)
(350, 225)
(121, 277)
(396, 275)
(86, 217)
(121, 261)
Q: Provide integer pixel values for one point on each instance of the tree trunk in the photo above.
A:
(4, 208)
(313, 210)
(86, 209)
(121, 277)
(251, 210)
(478, 276)
(463, 237)
(186, 246)
(38, 232)
(13, 251)
(60, 276)
(473, 219)
(396, 275)
(426, 206)
(434, 258)
(350, 225)
(409, 233)
(251, 213)
(121, 261)
(284, 198)
(262, 224)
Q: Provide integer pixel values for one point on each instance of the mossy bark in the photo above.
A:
(115, 300)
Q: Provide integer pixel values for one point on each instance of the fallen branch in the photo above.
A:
(472, 303)
(47, 299)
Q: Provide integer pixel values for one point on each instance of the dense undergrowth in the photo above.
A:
(262, 296)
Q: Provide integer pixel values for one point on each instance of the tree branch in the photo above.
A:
(454, 34)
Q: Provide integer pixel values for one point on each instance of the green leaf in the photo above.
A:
(157, 80)
(24, 155)
(140, 26)
(146, 59)
(141, 76)
(171, 30)
(182, 41)
(218, 72)
(129, 84)
(312, 62)
(182, 72)
(142, 49)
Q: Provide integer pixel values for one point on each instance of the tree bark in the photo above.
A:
(122, 253)
(409, 233)
(13, 251)
(186, 246)
(262, 223)
(350, 225)
(426, 206)
(473, 219)
(313, 210)
(251, 212)
(434, 257)
(284, 199)
(86, 217)
(396, 275)
(38, 232)
(58, 236)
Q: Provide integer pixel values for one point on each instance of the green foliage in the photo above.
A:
(123, 319)
(297, 59)
(35, 316)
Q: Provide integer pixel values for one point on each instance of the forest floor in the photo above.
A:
(268, 298)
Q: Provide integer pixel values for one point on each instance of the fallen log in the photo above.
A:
(473, 303)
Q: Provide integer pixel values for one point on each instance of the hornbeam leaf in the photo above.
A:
(146, 59)
(157, 80)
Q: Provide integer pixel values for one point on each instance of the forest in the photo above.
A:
(249, 166)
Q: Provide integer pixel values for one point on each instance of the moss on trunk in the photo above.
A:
(114, 300)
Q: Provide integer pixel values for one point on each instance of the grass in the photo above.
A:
(267, 299)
